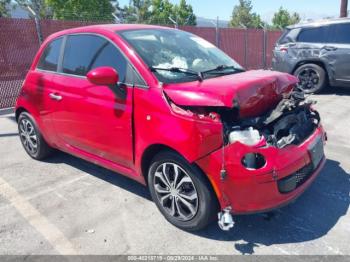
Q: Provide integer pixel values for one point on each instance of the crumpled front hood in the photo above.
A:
(254, 92)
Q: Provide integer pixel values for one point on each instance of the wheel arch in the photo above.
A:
(149, 153)
(153, 150)
(19, 110)
(313, 61)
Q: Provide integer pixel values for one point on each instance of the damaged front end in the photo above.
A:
(265, 160)
(290, 122)
(266, 139)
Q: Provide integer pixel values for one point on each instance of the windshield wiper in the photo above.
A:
(198, 75)
(221, 69)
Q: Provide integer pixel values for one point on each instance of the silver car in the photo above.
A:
(318, 53)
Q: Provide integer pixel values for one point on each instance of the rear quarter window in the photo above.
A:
(49, 58)
(288, 36)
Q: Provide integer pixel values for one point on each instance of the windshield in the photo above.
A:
(176, 56)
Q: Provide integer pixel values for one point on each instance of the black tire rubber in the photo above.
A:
(323, 80)
(207, 201)
(43, 149)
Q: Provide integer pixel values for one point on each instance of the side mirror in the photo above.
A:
(103, 75)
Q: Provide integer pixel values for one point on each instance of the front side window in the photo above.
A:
(340, 33)
(49, 58)
(85, 52)
(313, 35)
(176, 56)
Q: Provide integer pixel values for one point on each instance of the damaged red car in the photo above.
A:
(170, 110)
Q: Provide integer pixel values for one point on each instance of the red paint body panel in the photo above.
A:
(93, 123)
(254, 91)
(93, 119)
(103, 76)
(256, 190)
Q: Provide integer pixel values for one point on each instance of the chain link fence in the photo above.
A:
(20, 39)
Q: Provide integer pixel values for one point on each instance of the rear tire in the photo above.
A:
(312, 78)
(31, 138)
(181, 192)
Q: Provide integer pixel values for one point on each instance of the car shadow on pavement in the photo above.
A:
(310, 217)
(335, 90)
(101, 173)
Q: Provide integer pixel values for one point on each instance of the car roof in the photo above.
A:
(105, 28)
(320, 23)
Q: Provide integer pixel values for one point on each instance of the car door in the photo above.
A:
(94, 119)
(337, 51)
(310, 43)
(42, 79)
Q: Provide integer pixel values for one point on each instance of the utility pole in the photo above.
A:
(37, 24)
(117, 20)
(245, 44)
(176, 25)
(344, 8)
(263, 26)
(217, 36)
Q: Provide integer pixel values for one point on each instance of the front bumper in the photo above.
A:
(251, 191)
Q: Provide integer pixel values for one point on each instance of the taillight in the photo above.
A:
(283, 49)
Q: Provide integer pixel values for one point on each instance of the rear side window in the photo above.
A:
(85, 52)
(313, 35)
(49, 58)
(288, 36)
(340, 34)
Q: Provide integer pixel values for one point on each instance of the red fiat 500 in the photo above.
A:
(172, 111)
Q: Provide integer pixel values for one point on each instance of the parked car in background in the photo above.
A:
(173, 112)
(318, 53)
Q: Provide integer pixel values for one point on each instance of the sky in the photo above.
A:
(308, 9)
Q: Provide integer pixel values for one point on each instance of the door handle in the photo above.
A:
(330, 48)
(55, 96)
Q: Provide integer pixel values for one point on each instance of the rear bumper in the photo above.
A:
(251, 191)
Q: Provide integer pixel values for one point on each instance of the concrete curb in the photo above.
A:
(6, 111)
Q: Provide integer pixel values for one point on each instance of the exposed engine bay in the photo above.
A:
(290, 122)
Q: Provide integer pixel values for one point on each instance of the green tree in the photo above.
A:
(90, 10)
(4, 8)
(161, 10)
(157, 12)
(283, 18)
(242, 15)
(138, 11)
(183, 13)
(295, 18)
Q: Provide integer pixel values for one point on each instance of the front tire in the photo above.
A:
(181, 192)
(31, 138)
(312, 78)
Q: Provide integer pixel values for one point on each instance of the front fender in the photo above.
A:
(156, 123)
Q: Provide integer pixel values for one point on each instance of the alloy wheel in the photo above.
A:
(309, 78)
(175, 191)
(28, 136)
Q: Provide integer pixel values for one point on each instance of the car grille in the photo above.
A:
(292, 182)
